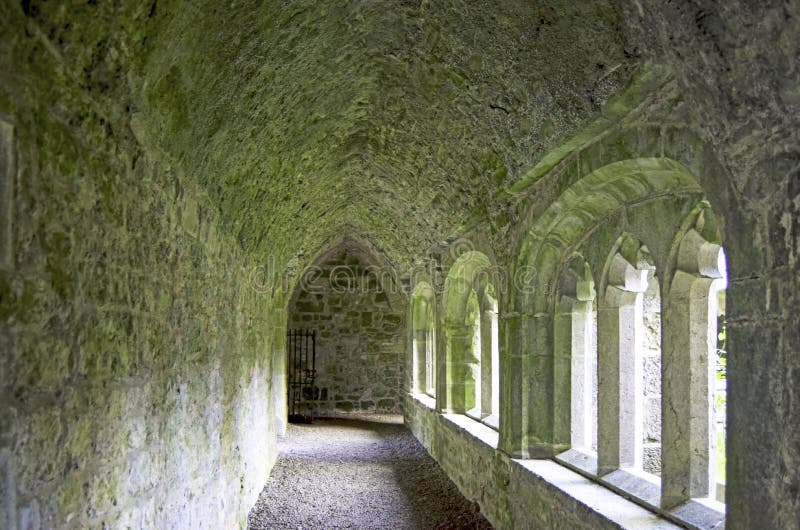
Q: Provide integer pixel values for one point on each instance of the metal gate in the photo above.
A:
(301, 345)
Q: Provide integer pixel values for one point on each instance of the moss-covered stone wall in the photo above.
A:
(136, 381)
(737, 68)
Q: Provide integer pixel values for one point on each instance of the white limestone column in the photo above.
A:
(583, 406)
(430, 361)
(620, 371)
(688, 373)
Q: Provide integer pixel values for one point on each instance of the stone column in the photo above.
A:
(620, 370)
(459, 378)
(688, 373)
(582, 363)
(441, 359)
(418, 359)
(421, 326)
(563, 374)
(526, 417)
(485, 403)
(430, 360)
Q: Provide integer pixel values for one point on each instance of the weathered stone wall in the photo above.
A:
(736, 64)
(360, 334)
(509, 494)
(136, 381)
(137, 378)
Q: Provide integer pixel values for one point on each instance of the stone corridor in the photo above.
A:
(560, 238)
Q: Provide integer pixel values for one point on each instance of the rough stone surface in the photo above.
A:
(347, 301)
(136, 383)
(508, 495)
(175, 169)
(368, 472)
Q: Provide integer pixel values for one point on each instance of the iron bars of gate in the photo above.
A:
(301, 371)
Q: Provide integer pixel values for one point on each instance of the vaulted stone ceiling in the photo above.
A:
(397, 120)
(400, 119)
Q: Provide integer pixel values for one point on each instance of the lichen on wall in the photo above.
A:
(136, 383)
(402, 122)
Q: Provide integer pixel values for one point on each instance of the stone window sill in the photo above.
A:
(572, 473)
(476, 429)
(645, 490)
(424, 399)
(492, 420)
(596, 497)
(581, 460)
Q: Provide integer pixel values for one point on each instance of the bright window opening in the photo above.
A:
(423, 343)
(485, 356)
(651, 373)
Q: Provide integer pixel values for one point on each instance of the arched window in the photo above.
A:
(720, 398)
(651, 374)
(423, 344)
(472, 340)
(657, 389)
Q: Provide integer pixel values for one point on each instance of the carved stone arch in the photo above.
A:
(587, 204)
(351, 297)
(423, 302)
(379, 263)
(626, 261)
(636, 141)
(470, 272)
(610, 194)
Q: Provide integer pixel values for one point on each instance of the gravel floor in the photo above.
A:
(341, 473)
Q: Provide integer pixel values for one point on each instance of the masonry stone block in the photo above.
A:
(359, 345)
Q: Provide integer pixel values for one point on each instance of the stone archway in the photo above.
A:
(349, 299)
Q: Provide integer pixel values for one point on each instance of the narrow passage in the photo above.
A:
(340, 473)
